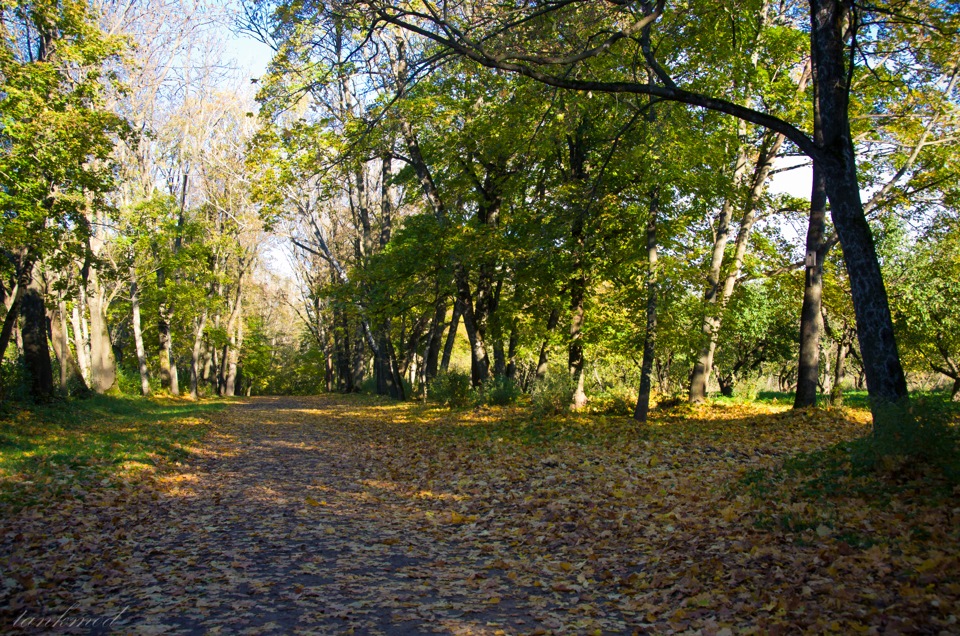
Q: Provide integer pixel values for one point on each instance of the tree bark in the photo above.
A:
(808, 367)
(36, 354)
(103, 366)
(642, 409)
(434, 341)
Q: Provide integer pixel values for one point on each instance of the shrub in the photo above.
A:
(452, 388)
(615, 401)
(499, 391)
(553, 395)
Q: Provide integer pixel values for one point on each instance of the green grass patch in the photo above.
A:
(50, 451)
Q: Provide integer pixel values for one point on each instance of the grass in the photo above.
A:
(50, 451)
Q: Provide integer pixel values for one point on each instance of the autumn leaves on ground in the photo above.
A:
(338, 514)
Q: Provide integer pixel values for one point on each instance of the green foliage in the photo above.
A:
(614, 401)
(452, 388)
(499, 391)
(553, 395)
(55, 134)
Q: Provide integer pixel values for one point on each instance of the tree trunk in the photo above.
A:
(642, 409)
(886, 382)
(169, 379)
(451, 337)
(70, 376)
(512, 352)
(700, 375)
(24, 278)
(103, 366)
(434, 341)
(138, 334)
(195, 370)
(232, 356)
(543, 360)
(79, 340)
(839, 371)
(36, 354)
(479, 362)
(575, 353)
(808, 366)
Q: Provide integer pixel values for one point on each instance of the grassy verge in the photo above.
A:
(54, 451)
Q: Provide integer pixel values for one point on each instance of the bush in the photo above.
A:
(553, 395)
(499, 391)
(452, 388)
(615, 402)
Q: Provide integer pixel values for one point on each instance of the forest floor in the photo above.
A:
(344, 514)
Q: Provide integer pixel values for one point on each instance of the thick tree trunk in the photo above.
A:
(886, 382)
(138, 334)
(103, 366)
(642, 409)
(36, 354)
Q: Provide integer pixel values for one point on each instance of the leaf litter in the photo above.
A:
(339, 514)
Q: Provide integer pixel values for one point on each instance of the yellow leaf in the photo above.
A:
(493, 600)
(312, 502)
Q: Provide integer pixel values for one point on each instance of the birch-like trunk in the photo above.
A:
(138, 333)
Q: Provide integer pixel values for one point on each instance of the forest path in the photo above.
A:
(349, 515)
